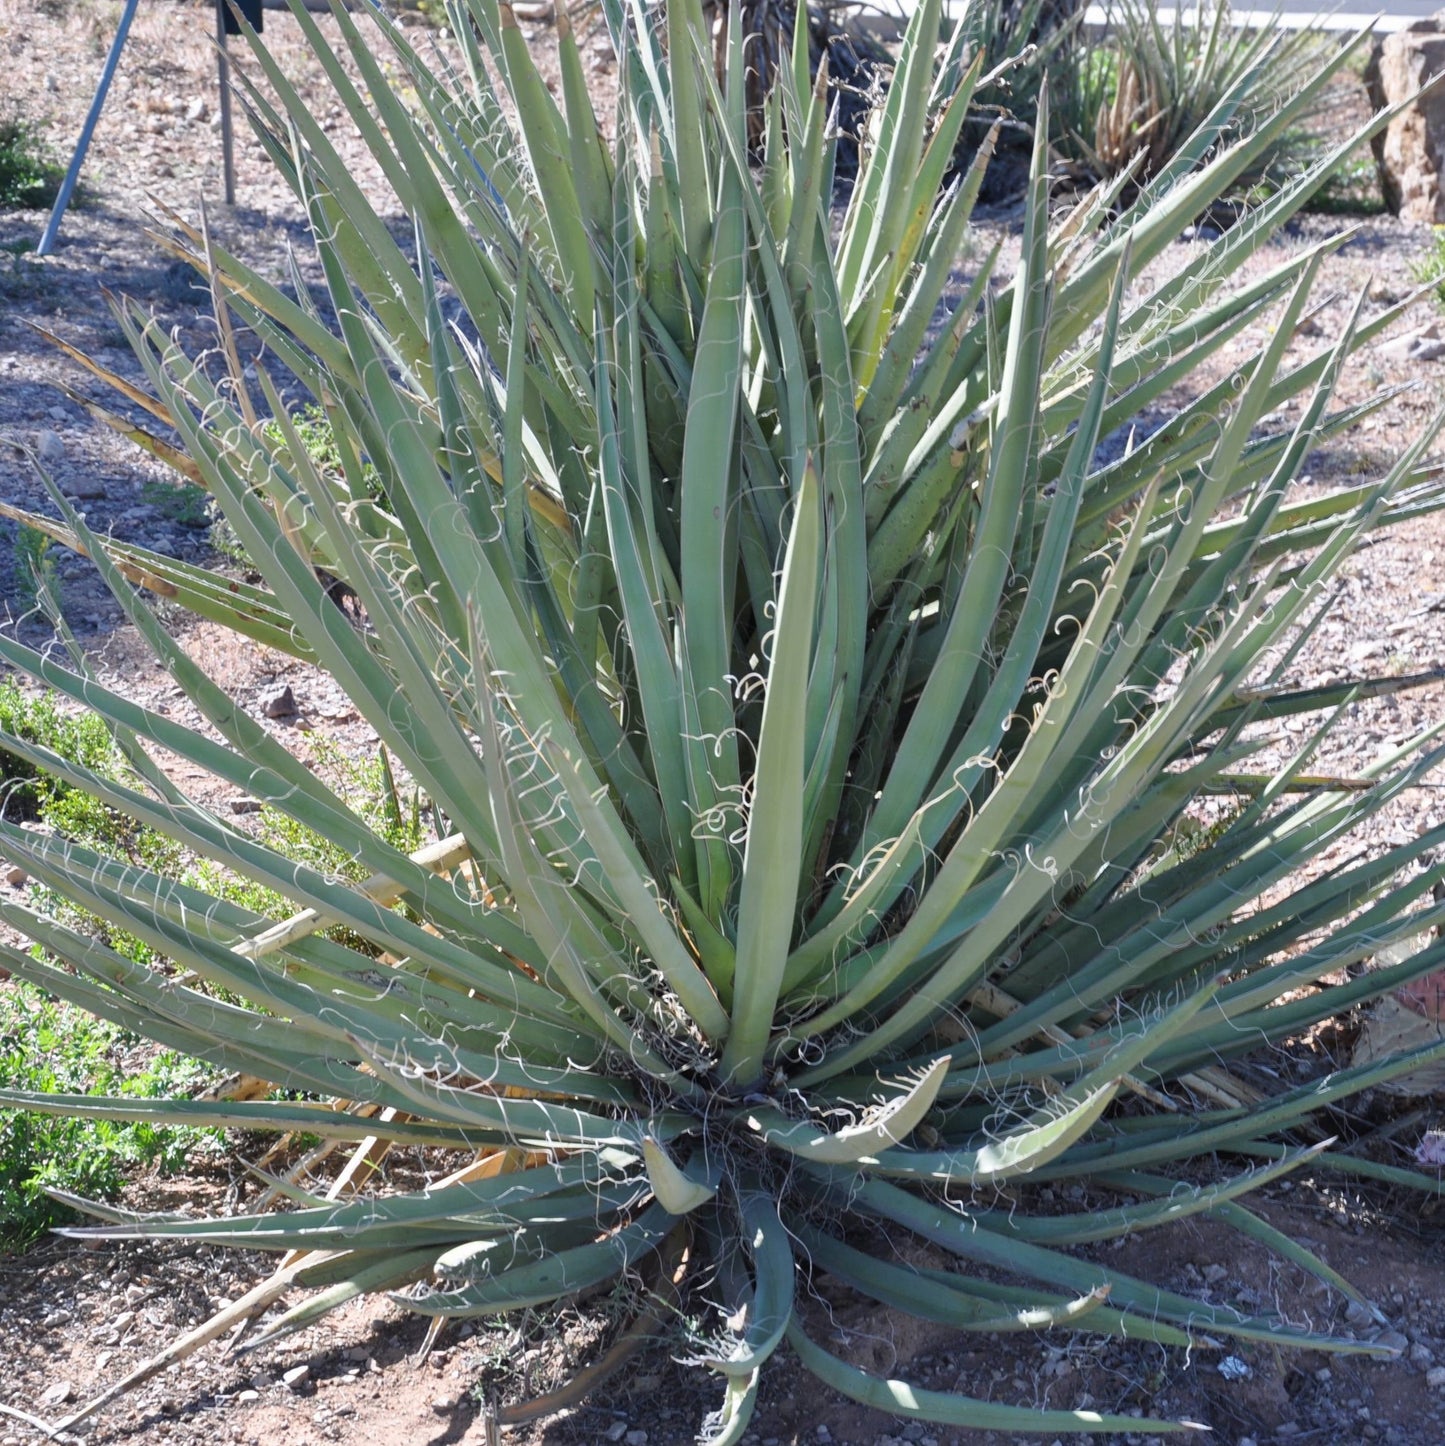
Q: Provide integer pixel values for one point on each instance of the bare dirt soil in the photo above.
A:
(75, 1319)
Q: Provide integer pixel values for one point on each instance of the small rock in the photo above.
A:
(196, 110)
(1234, 1369)
(296, 1377)
(247, 1396)
(1435, 1378)
(443, 1405)
(58, 414)
(1423, 345)
(254, 805)
(1359, 1314)
(14, 875)
(279, 702)
(1422, 1356)
(1214, 1273)
(616, 1431)
(58, 1394)
(1393, 1341)
(636, 1438)
(84, 486)
(50, 447)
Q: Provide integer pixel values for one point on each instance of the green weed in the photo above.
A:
(1432, 267)
(318, 437)
(183, 503)
(53, 1048)
(369, 787)
(29, 176)
(34, 718)
(34, 567)
(1353, 190)
(50, 1047)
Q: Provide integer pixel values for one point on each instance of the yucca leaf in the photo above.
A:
(904, 1399)
(773, 858)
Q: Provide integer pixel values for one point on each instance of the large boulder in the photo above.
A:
(1410, 152)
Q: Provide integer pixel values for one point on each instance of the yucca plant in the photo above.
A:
(814, 712)
(1128, 102)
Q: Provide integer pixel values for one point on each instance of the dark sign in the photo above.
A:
(250, 11)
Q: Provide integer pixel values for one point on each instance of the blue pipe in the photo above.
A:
(112, 61)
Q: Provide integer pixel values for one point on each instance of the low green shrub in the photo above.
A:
(54, 1048)
(182, 502)
(1431, 267)
(34, 717)
(29, 176)
(34, 568)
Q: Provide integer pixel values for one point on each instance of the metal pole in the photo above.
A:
(223, 63)
(52, 227)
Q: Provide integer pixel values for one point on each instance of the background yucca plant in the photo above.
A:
(812, 707)
(1130, 98)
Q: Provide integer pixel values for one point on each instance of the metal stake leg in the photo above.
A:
(223, 65)
(52, 227)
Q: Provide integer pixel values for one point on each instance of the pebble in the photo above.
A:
(616, 1431)
(635, 1438)
(58, 1394)
(296, 1377)
(279, 702)
(50, 448)
(1435, 1378)
(84, 486)
(246, 1397)
(1422, 1356)
(1214, 1273)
